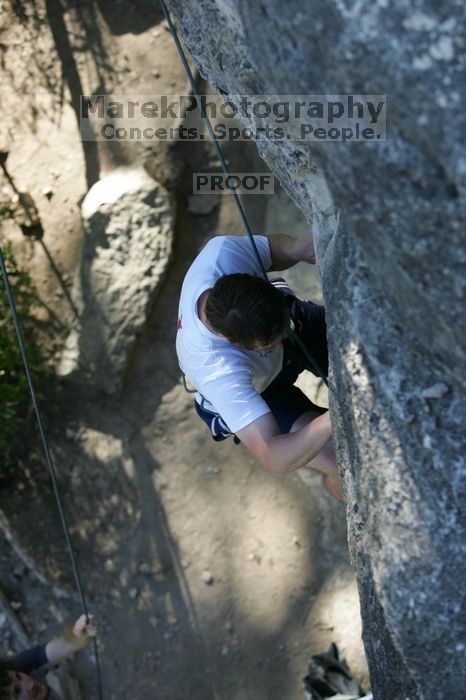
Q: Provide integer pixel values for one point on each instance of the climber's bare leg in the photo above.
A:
(325, 462)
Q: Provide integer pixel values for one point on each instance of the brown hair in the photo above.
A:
(5, 680)
(248, 311)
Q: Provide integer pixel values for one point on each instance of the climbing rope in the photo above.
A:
(49, 462)
(292, 335)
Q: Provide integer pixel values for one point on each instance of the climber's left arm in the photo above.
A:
(286, 251)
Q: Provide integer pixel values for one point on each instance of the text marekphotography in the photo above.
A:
(153, 118)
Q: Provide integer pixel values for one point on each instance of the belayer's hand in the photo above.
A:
(72, 639)
(83, 629)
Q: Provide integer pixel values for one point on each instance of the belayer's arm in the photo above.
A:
(29, 660)
(72, 639)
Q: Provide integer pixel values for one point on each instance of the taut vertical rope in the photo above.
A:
(48, 459)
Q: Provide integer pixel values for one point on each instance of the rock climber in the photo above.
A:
(22, 677)
(232, 346)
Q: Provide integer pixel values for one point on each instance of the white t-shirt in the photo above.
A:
(230, 379)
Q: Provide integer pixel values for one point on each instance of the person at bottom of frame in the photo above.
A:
(16, 681)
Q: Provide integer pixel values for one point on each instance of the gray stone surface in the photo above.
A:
(128, 219)
(393, 274)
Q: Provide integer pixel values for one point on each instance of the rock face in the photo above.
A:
(393, 276)
(128, 221)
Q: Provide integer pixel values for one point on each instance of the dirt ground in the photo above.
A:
(209, 577)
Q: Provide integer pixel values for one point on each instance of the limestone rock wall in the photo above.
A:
(393, 273)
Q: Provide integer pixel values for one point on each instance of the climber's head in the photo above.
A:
(248, 311)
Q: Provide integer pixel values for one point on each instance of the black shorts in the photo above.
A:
(285, 400)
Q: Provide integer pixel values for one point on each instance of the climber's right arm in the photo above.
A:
(282, 453)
